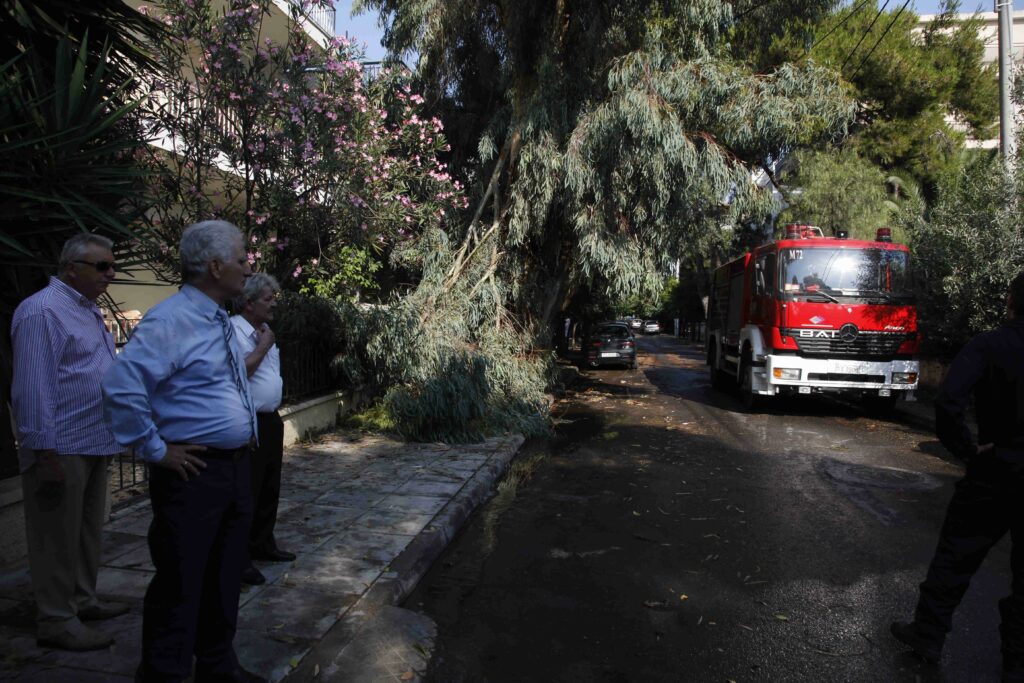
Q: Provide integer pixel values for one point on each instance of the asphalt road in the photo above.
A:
(667, 535)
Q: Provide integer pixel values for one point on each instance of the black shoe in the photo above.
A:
(926, 647)
(275, 555)
(253, 576)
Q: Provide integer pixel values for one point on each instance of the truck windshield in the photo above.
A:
(831, 273)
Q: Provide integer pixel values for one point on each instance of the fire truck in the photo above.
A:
(811, 314)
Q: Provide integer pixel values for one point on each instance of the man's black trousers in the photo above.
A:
(987, 502)
(198, 544)
(266, 482)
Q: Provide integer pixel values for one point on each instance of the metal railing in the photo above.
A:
(371, 70)
(129, 479)
(121, 329)
(306, 373)
(322, 16)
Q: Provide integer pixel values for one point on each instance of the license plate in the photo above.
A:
(844, 368)
(609, 355)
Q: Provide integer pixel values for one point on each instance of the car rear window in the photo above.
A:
(614, 331)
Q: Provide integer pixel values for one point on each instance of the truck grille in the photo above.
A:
(866, 345)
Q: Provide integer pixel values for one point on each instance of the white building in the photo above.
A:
(989, 34)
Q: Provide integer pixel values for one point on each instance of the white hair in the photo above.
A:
(74, 248)
(254, 286)
(204, 242)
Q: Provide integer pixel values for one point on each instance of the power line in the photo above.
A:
(857, 46)
(879, 41)
(832, 30)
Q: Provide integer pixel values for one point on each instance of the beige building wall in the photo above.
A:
(139, 290)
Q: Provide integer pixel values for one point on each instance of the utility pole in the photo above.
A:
(1004, 9)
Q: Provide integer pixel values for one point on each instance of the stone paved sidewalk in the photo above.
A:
(366, 516)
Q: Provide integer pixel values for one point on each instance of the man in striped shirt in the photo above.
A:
(61, 351)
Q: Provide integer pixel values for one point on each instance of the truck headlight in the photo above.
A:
(786, 373)
(904, 377)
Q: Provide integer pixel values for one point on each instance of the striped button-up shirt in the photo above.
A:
(61, 351)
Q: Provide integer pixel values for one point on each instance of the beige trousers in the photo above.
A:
(64, 540)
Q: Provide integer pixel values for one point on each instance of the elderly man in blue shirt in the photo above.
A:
(61, 350)
(179, 395)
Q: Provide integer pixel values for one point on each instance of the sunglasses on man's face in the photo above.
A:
(100, 266)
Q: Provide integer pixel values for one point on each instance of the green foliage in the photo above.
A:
(109, 32)
(328, 174)
(311, 337)
(67, 154)
(375, 418)
(601, 140)
(905, 82)
(842, 191)
(68, 133)
(438, 388)
(966, 253)
(350, 272)
(669, 301)
(68, 129)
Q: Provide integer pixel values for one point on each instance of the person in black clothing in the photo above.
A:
(989, 500)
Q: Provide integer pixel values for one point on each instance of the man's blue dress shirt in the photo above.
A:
(61, 350)
(175, 381)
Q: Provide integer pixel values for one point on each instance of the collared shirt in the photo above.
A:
(61, 350)
(265, 384)
(176, 381)
(991, 368)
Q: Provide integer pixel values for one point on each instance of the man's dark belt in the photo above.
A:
(226, 453)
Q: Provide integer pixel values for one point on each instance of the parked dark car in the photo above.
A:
(610, 344)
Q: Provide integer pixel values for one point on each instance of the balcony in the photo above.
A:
(321, 17)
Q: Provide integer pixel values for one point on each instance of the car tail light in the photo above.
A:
(627, 344)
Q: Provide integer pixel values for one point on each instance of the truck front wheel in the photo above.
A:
(750, 400)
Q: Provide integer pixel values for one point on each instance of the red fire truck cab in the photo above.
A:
(809, 314)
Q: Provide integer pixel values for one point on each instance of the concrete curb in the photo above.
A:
(341, 654)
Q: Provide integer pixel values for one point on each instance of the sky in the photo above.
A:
(364, 27)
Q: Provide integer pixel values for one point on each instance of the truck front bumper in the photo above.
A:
(810, 375)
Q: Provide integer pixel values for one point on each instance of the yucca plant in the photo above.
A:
(68, 136)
